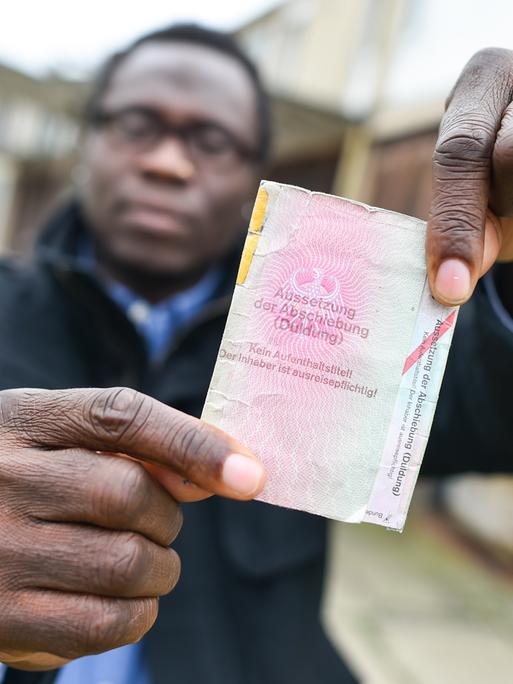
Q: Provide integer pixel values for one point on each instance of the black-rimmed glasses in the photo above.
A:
(207, 143)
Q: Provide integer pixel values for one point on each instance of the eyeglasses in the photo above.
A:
(208, 144)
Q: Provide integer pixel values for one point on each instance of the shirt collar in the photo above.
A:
(157, 323)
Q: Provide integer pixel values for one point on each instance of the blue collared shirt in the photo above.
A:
(123, 665)
(159, 323)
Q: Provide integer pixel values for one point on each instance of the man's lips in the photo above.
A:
(155, 219)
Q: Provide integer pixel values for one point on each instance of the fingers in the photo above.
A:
(461, 175)
(501, 197)
(123, 420)
(72, 625)
(73, 589)
(492, 242)
(180, 488)
(88, 560)
(76, 485)
(25, 660)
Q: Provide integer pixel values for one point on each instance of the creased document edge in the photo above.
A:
(399, 467)
(266, 196)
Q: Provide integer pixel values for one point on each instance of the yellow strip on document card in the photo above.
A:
(258, 213)
(255, 228)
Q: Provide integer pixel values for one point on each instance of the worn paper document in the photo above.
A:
(333, 355)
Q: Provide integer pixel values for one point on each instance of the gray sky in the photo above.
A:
(75, 36)
(442, 36)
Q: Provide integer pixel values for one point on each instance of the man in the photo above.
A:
(130, 286)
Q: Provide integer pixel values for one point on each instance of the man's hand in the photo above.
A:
(470, 225)
(84, 534)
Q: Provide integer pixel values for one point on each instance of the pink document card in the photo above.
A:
(333, 355)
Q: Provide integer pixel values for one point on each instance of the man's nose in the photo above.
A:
(167, 160)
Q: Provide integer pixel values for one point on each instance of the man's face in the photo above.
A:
(169, 162)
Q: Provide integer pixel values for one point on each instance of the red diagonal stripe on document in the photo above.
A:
(426, 344)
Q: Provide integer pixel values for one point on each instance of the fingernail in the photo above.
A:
(452, 282)
(242, 474)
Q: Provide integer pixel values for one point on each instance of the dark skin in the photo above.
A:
(159, 220)
(470, 218)
(82, 574)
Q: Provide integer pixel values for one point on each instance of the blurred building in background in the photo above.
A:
(340, 126)
(38, 133)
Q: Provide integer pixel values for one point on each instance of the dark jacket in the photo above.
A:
(246, 609)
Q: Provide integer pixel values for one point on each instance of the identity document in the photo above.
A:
(333, 354)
